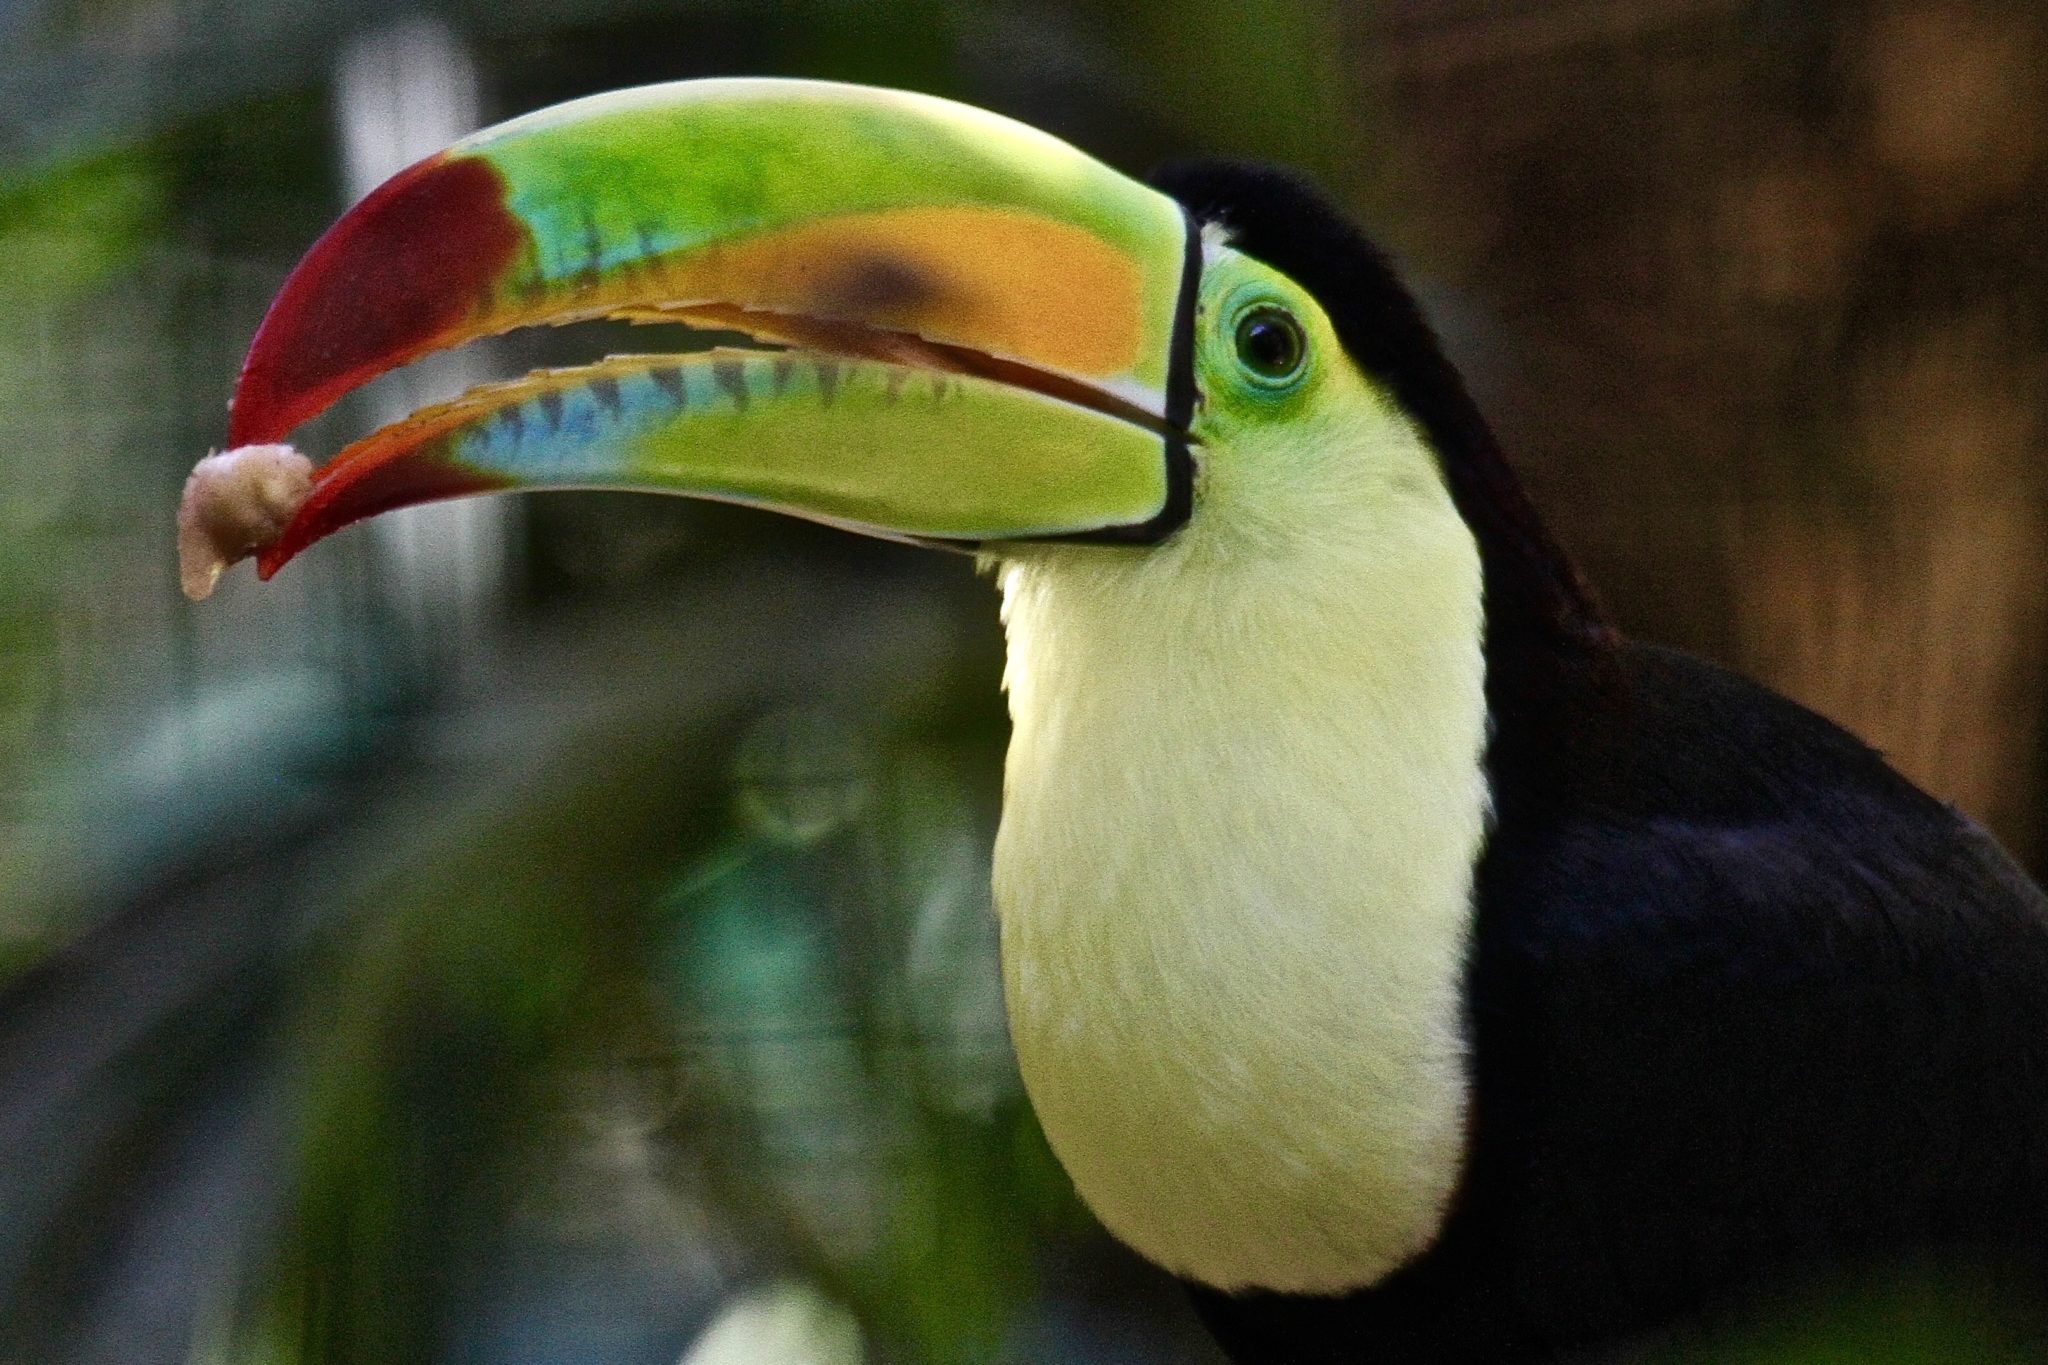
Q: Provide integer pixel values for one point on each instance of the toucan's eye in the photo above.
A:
(1270, 343)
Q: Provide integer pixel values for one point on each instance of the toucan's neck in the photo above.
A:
(1547, 640)
(1242, 808)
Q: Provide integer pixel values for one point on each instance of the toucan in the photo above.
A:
(1400, 956)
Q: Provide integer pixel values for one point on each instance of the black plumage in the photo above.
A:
(1751, 1015)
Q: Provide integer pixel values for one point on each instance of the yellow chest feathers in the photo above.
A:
(1243, 800)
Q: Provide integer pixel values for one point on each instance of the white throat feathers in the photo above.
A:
(1243, 803)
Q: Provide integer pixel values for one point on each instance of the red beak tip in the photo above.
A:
(398, 276)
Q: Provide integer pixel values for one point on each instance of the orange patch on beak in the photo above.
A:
(1008, 283)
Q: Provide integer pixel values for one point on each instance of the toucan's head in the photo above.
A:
(965, 332)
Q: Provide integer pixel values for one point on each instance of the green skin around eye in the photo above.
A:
(1234, 288)
(1271, 453)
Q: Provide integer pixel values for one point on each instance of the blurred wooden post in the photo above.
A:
(1911, 607)
(1767, 289)
(402, 92)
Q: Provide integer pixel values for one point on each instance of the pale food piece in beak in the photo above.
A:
(236, 503)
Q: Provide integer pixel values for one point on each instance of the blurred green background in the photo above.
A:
(558, 930)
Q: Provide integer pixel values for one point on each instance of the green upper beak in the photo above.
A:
(971, 331)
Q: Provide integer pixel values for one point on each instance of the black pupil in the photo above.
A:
(1269, 342)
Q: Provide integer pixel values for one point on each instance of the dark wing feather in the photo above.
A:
(1752, 1010)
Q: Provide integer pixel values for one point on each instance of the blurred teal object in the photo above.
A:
(830, 967)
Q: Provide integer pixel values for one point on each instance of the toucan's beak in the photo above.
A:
(970, 331)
